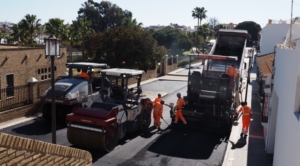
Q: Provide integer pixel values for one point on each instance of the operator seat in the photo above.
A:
(118, 93)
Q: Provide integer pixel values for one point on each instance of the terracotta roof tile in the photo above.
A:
(265, 64)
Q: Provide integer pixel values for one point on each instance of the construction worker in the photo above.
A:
(84, 74)
(157, 113)
(180, 104)
(247, 113)
(158, 99)
(232, 71)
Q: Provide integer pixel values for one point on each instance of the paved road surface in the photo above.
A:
(171, 147)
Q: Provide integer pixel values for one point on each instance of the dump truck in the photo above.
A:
(212, 94)
(102, 124)
(71, 89)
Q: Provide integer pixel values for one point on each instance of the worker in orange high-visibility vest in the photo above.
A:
(232, 71)
(180, 104)
(84, 74)
(158, 99)
(157, 113)
(247, 113)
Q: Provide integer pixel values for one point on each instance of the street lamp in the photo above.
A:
(52, 50)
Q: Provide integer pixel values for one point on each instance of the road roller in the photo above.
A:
(103, 123)
(71, 89)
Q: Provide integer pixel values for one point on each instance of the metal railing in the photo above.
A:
(42, 87)
(14, 96)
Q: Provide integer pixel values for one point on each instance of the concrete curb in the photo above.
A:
(14, 150)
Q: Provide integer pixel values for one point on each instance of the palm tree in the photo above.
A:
(19, 34)
(205, 31)
(200, 14)
(31, 24)
(129, 22)
(55, 27)
(81, 27)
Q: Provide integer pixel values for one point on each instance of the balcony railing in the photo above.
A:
(14, 96)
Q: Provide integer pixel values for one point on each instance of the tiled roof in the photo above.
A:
(16, 150)
(265, 64)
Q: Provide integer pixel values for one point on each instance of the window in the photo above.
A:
(39, 71)
(10, 85)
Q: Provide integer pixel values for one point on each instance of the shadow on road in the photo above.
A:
(96, 154)
(187, 144)
(37, 126)
(239, 144)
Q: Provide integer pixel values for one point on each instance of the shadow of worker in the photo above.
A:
(239, 144)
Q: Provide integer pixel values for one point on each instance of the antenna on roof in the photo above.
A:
(291, 23)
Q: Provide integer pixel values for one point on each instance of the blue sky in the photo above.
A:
(157, 12)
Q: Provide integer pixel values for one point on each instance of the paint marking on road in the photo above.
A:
(256, 136)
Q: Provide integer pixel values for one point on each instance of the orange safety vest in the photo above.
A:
(158, 107)
(246, 112)
(85, 75)
(156, 100)
(230, 71)
(180, 104)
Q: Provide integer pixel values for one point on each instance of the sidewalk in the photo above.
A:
(250, 151)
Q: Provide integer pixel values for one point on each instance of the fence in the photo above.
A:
(13, 97)
(42, 87)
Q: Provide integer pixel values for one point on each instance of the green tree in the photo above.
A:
(129, 22)
(30, 24)
(205, 31)
(19, 34)
(194, 38)
(3, 35)
(134, 45)
(200, 14)
(103, 15)
(252, 27)
(81, 31)
(172, 39)
(55, 27)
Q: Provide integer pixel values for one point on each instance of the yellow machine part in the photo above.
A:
(92, 139)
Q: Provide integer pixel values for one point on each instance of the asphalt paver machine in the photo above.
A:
(211, 94)
(102, 124)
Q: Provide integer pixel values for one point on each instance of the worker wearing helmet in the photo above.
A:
(180, 104)
(84, 74)
(157, 113)
(247, 113)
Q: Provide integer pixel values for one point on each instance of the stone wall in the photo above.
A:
(24, 63)
(168, 64)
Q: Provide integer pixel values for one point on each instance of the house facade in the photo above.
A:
(283, 124)
(270, 35)
(18, 64)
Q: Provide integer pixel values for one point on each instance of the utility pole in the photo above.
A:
(291, 22)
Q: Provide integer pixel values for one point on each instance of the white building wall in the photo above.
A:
(272, 34)
(272, 121)
(286, 151)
